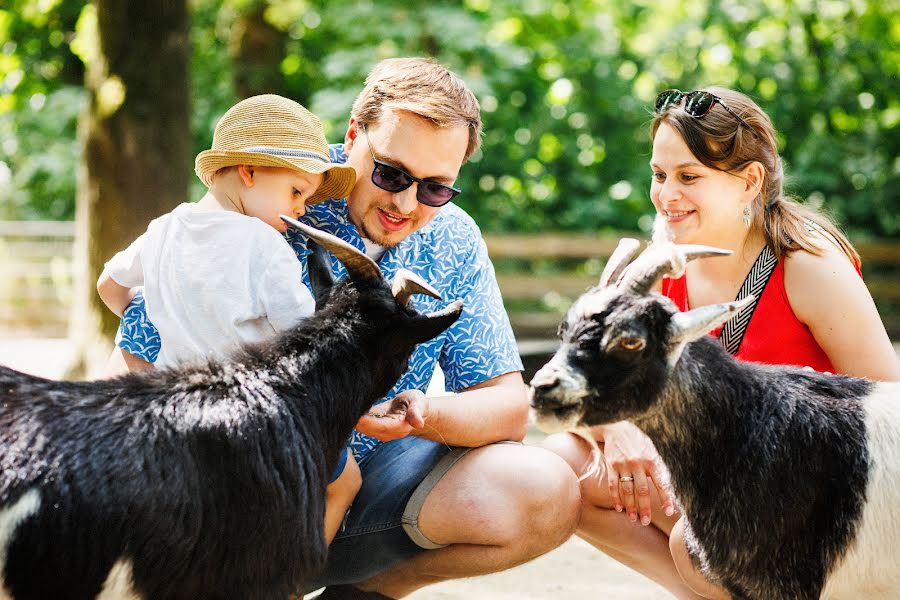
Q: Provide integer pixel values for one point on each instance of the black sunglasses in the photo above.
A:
(391, 179)
(697, 104)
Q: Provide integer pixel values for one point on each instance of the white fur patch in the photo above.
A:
(592, 303)
(10, 518)
(871, 567)
(118, 584)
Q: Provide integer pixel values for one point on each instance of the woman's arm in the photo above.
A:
(828, 295)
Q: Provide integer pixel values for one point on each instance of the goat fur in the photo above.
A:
(205, 481)
(789, 480)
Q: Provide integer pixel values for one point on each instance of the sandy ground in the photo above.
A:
(574, 570)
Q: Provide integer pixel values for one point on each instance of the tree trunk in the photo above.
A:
(137, 150)
(257, 48)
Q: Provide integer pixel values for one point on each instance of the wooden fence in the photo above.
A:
(575, 261)
(539, 276)
(35, 277)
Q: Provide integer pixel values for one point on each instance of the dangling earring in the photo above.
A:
(746, 216)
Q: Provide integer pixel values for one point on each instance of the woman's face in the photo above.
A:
(699, 205)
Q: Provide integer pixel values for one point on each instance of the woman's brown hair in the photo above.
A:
(722, 142)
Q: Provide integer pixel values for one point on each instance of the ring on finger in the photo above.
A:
(626, 479)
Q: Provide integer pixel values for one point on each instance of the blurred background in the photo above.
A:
(103, 106)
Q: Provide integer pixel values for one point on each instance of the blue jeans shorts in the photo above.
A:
(381, 527)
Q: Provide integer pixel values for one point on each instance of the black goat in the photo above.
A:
(205, 481)
(789, 479)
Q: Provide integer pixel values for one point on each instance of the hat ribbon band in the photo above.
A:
(286, 153)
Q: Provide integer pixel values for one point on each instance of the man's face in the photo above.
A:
(410, 143)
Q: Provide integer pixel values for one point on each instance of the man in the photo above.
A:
(443, 499)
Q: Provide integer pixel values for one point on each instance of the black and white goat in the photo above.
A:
(789, 479)
(205, 481)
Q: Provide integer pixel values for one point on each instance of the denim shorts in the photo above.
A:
(380, 529)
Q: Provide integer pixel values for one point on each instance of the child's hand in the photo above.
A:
(396, 418)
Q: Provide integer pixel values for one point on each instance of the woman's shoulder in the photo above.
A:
(812, 279)
(828, 260)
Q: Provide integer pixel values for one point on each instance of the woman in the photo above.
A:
(717, 179)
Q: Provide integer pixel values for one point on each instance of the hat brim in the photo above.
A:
(337, 183)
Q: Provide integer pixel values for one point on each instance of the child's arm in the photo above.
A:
(116, 297)
(121, 276)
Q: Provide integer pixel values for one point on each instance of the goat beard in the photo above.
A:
(594, 464)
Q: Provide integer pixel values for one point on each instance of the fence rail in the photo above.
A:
(538, 275)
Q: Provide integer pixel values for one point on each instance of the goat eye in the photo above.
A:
(631, 344)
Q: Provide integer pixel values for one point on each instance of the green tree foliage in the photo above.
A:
(566, 88)
(40, 99)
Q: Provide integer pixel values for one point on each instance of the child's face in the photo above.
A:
(272, 191)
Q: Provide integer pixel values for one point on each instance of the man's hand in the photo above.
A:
(395, 418)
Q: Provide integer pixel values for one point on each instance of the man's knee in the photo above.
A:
(545, 495)
(553, 496)
(505, 495)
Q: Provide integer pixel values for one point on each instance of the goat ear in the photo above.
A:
(359, 266)
(426, 327)
(320, 275)
(690, 325)
(406, 283)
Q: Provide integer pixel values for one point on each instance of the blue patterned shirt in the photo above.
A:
(450, 254)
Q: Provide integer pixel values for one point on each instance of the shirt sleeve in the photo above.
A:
(125, 267)
(136, 334)
(285, 298)
(481, 344)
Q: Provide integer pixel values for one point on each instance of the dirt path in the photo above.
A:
(574, 570)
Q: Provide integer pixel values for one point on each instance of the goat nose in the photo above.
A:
(545, 378)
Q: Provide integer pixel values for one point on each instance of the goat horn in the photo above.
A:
(621, 256)
(690, 325)
(359, 266)
(406, 283)
(665, 259)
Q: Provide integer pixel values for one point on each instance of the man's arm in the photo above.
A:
(121, 362)
(137, 341)
(491, 411)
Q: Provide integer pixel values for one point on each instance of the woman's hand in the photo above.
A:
(632, 464)
(395, 418)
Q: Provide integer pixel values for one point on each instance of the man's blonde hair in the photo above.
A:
(423, 87)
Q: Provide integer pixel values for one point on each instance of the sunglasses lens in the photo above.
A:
(667, 99)
(434, 194)
(390, 179)
(698, 104)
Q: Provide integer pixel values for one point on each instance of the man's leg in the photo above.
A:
(497, 507)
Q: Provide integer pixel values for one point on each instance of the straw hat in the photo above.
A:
(272, 131)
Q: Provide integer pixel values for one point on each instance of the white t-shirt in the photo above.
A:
(213, 279)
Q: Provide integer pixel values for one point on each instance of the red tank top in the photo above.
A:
(774, 334)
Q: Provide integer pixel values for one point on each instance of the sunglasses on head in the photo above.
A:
(394, 180)
(697, 104)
